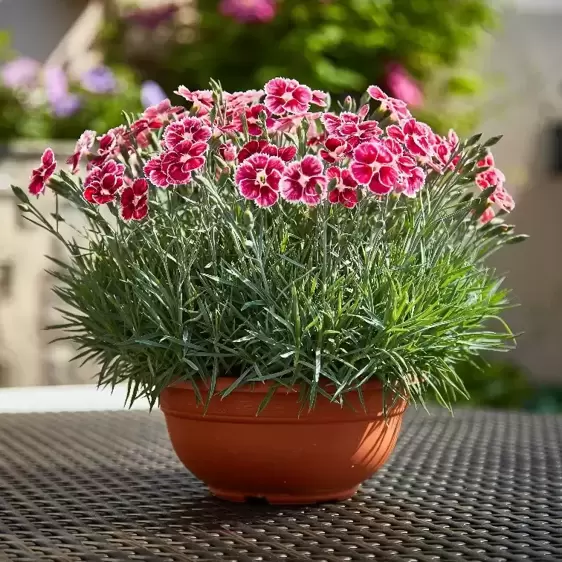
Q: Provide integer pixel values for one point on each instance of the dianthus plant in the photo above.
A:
(264, 236)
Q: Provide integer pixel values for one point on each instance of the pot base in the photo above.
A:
(285, 499)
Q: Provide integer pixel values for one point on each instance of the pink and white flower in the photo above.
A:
(398, 109)
(155, 173)
(374, 165)
(227, 150)
(202, 100)
(158, 115)
(345, 190)
(238, 100)
(493, 176)
(416, 136)
(319, 98)
(286, 153)
(348, 126)
(134, 201)
(258, 178)
(335, 149)
(41, 175)
(140, 131)
(411, 181)
(444, 148)
(503, 199)
(253, 119)
(487, 215)
(186, 157)
(104, 182)
(284, 95)
(304, 181)
(187, 129)
(82, 148)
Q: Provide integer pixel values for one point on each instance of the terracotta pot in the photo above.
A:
(279, 455)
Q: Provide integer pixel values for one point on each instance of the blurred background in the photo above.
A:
(475, 65)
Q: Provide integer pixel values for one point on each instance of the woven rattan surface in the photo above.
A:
(107, 487)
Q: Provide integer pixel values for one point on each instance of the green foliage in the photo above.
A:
(100, 112)
(12, 113)
(496, 384)
(211, 286)
(337, 46)
(26, 113)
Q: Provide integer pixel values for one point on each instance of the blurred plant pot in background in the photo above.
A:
(287, 454)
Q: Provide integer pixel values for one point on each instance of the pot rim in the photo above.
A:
(262, 387)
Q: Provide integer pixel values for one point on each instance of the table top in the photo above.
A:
(106, 486)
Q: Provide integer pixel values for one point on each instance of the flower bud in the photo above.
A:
(248, 218)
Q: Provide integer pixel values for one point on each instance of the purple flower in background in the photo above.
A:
(20, 73)
(56, 82)
(152, 93)
(99, 80)
(66, 106)
(248, 11)
(62, 102)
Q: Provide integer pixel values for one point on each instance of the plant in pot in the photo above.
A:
(281, 277)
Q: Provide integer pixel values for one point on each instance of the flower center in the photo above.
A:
(261, 178)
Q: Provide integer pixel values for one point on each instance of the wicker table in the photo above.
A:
(107, 487)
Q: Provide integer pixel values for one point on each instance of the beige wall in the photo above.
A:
(525, 101)
(37, 26)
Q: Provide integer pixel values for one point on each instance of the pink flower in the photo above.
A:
(108, 145)
(248, 11)
(250, 148)
(487, 215)
(104, 182)
(202, 100)
(397, 108)
(258, 178)
(487, 161)
(492, 176)
(304, 181)
(82, 148)
(41, 175)
(374, 166)
(154, 172)
(444, 148)
(345, 190)
(284, 95)
(187, 129)
(403, 86)
(158, 115)
(134, 201)
(239, 100)
(291, 123)
(335, 150)
(186, 157)
(140, 130)
(503, 199)
(411, 181)
(347, 126)
(416, 136)
(319, 98)
(253, 120)
(286, 153)
(227, 150)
